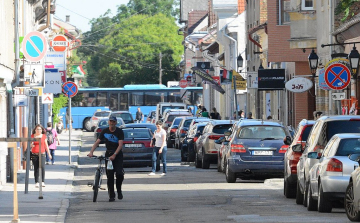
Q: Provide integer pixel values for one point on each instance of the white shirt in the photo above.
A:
(158, 137)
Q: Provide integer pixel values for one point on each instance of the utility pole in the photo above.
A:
(160, 69)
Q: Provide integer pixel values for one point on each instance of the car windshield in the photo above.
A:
(348, 146)
(172, 107)
(262, 132)
(221, 129)
(102, 114)
(136, 133)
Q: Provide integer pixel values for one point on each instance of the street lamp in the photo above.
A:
(313, 62)
(354, 57)
(261, 67)
(240, 61)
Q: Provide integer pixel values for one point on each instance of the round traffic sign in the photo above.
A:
(34, 46)
(183, 83)
(59, 43)
(337, 76)
(70, 89)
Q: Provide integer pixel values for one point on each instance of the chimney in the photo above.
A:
(67, 18)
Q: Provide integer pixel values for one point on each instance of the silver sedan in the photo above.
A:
(330, 176)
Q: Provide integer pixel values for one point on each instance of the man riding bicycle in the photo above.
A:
(113, 137)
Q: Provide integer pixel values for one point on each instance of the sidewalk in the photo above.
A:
(56, 194)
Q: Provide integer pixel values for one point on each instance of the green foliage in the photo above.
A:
(59, 103)
(344, 7)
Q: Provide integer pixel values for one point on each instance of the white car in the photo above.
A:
(330, 176)
(97, 116)
(352, 194)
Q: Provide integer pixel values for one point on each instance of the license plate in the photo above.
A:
(133, 145)
(262, 153)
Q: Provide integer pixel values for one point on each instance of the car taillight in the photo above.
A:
(98, 130)
(334, 165)
(182, 131)
(237, 148)
(173, 130)
(283, 148)
(94, 118)
(214, 137)
(195, 138)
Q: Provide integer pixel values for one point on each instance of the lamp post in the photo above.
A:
(240, 62)
(313, 63)
(354, 58)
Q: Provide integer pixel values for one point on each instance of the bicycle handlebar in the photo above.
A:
(100, 157)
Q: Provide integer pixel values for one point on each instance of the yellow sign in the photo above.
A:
(237, 75)
(240, 85)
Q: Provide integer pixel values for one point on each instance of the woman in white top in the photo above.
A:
(159, 148)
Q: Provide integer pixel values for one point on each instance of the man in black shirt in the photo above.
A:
(113, 138)
(139, 116)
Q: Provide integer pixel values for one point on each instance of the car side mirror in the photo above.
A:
(313, 155)
(227, 133)
(297, 148)
(287, 140)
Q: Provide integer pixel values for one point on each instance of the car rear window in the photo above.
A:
(305, 133)
(262, 132)
(348, 146)
(102, 114)
(177, 121)
(221, 129)
(187, 123)
(103, 123)
(341, 126)
(136, 133)
(201, 128)
(172, 117)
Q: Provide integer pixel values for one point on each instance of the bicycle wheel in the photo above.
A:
(96, 185)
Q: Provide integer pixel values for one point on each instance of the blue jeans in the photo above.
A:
(161, 155)
(52, 152)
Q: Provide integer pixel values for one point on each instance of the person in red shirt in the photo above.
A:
(39, 132)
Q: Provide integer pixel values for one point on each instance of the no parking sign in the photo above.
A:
(337, 76)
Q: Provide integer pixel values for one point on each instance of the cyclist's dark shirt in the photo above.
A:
(111, 138)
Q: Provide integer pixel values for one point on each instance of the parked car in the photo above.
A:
(222, 143)
(125, 115)
(187, 149)
(256, 150)
(150, 126)
(169, 117)
(136, 148)
(150, 116)
(205, 150)
(104, 123)
(292, 157)
(329, 178)
(170, 133)
(183, 128)
(324, 128)
(97, 116)
(352, 193)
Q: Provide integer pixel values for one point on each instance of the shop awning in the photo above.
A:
(207, 77)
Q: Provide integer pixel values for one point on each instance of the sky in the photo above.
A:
(82, 11)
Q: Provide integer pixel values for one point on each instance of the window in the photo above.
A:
(152, 98)
(284, 15)
(114, 102)
(89, 99)
(307, 5)
(101, 99)
(137, 99)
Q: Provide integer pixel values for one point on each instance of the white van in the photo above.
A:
(162, 106)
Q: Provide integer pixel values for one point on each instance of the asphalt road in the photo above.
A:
(186, 194)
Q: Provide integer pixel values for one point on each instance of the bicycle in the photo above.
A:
(98, 175)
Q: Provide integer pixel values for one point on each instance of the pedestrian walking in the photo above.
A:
(160, 148)
(199, 111)
(214, 114)
(39, 133)
(51, 133)
(249, 115)
(139, 116)
(205, 113)
(113, 137)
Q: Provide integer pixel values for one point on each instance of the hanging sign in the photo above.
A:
(298, 85)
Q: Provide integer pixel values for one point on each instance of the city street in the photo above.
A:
(185, 194)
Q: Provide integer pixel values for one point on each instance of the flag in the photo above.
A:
(78, 69)
(227, 74)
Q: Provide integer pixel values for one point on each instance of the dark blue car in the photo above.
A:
(256, 150)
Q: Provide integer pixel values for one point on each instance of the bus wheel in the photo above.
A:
(86, 124)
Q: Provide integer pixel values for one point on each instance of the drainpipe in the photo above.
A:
(234, 67)
(48, 16)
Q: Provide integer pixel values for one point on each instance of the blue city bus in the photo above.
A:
(128, 98)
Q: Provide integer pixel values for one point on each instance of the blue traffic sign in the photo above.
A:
(70, 89)
(34, 46)
(337, 76)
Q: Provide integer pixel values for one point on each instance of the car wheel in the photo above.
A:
(223, 164)
(324, 205)
(204, 161)
(311, 202)
(299, 195)
(87, 125)
(219, 163)
(289, 190)
(230, 176)
(197, 161)
(305, 195)
(352, 213)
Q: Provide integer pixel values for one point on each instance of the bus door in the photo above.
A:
(124, 101)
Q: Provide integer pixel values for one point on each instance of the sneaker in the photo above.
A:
(163, 174)
(47, 163)
(37, 185)
(152, 174)
(120, 196)
(111, 199)
(43, 184)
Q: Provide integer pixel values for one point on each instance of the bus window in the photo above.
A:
(174, 96)
(136, 99)
(89, 99)
(152, 98)
(101, 99)
(124, 105)
(114, 101)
